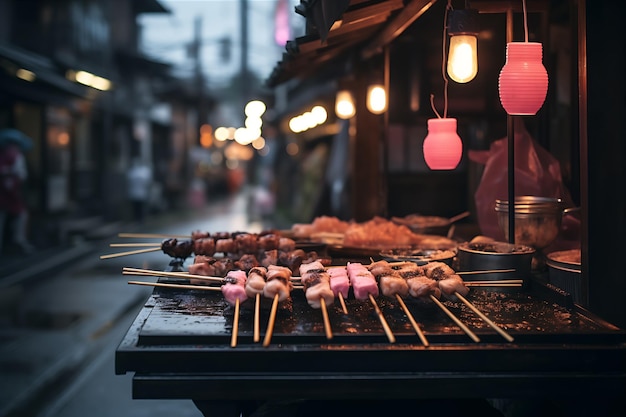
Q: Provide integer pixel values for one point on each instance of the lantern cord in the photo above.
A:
(525, 21)
(432, 104)
(443, 66)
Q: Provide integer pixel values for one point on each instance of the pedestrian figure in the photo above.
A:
(139, 184)
(13, 209)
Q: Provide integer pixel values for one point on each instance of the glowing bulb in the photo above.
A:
(344, 105)
(462, 52)
(462, 58)
(376, 99)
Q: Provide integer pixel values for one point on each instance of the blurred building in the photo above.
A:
(73, 79)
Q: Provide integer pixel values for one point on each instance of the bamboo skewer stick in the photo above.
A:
(327, 329)
(185, 275)
(342, 301)
(494, 284)
(497, 281)
(412, 320)
(152, 235)
(257, 311)
(486, 319)
(486, 271)
(477, 272)
(132, 252)
(455, 319)
(160, 284)
(270, 324)
(383, 321)
(133, 245)
(233, 338)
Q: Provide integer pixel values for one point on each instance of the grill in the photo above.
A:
(179, 347)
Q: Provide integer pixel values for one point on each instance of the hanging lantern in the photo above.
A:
(523, 81)
(443, 147)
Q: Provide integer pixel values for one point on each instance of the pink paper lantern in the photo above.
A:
(523, 81)
(442, 146)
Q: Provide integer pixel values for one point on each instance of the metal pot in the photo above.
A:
(564, 272)
(488, 256)
(537, 219)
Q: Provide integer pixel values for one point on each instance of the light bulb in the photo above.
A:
(344, 105)
(462, 58)
(376, 99)
(463, 50)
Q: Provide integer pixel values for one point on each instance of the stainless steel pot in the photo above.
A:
(537, 219)
(564, 271)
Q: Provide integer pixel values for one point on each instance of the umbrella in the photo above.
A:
(15, 136)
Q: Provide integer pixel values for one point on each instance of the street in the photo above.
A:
(80, 315)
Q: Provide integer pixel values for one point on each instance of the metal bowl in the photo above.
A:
(537, 220)
(419, 256)
(490, 256)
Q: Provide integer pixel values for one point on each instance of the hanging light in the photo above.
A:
(443, 147)
(344, 104)
(376, 99)
(463, 49)
(523, 81)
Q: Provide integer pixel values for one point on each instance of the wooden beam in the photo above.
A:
(411, 12)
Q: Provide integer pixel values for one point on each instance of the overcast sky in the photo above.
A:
(166, 36)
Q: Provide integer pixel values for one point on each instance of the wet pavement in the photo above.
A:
(64, 310)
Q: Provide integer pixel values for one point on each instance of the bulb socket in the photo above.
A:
(463, 22)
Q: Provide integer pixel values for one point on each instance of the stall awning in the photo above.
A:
(12, 59)
(361, 30)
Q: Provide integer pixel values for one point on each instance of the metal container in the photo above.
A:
(537, 220)
(488, 256)
(564, 272)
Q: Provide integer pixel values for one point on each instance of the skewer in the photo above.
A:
(188, 286)
(497, 281)
(388, 332)
(152, 235)
(329, 332)
(342, 301)
(186, 275)
(132, 252)
(257, 308)
(455, 319)
(487, 271)
(233, 338)
(492, 284)
(497, 328)
(412, 320)
(270, 324)
(133, 245)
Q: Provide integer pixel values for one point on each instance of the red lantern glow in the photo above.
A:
(443, 147)
(523, 81)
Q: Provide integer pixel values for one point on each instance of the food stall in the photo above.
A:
(531, 341)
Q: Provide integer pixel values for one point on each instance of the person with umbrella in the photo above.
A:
(13, 174)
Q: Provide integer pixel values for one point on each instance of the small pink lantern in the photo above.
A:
(523, 81)
(443, 147)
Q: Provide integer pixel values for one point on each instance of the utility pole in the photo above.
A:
(245, 79)
(199, 78)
